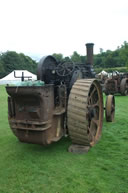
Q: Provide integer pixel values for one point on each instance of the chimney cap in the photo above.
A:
(89, 44)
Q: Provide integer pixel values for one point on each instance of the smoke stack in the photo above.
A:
(89, 49)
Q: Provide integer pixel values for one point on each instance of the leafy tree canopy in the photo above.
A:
(11, 60)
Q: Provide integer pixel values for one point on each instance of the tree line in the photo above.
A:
(11, 60)
(111, 59)
(107, 59)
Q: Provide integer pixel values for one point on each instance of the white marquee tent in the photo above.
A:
(103, 73)
(15, 76)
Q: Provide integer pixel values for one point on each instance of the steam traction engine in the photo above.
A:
(70, 101)
(118, 83)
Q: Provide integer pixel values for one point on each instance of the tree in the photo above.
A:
(59, 57)
(75, 57)
(124, 54)
(2, 71)
(11, 60)
(101, 50)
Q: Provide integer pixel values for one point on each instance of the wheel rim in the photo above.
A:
(124, 86)
(95, 112)
(113, 108)
(85, 112)
(110, 108)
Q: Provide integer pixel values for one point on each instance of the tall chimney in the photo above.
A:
(89, 49)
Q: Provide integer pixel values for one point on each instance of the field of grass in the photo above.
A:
(28, 168)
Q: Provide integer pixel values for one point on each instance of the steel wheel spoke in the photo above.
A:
(94, 105)
(92, 93)
(91, 134)
(60, 70)
(68, 69)
(95, 121)
(63, 72)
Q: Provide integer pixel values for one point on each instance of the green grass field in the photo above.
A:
(27, 168)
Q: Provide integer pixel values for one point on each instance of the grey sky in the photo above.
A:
(41, 27)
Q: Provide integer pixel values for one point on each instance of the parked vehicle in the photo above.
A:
(69, 101)
(118, 83)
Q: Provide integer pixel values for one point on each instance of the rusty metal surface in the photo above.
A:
(110, 108)
(124, 86)
(85, 112)
(89, 49)
(111, 86)
(46, 69)
(81, 149)
(33, 116)
(116, 84)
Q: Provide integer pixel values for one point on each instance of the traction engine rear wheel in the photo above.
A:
(110, 108)
(85, 112)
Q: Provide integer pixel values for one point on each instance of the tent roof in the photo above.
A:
(103, 72)
(18, 73)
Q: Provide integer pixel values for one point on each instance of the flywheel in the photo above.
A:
(85, 112)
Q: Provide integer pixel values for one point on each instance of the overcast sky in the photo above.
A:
(41, 27)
